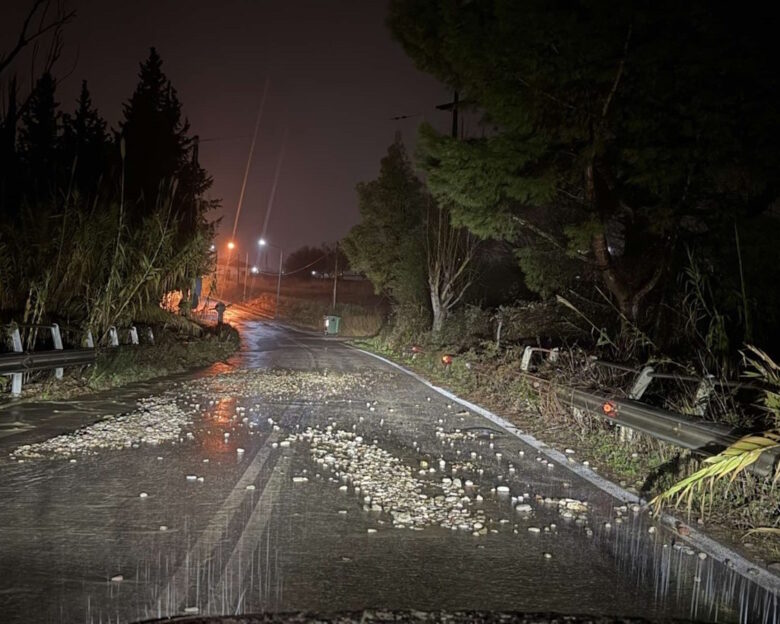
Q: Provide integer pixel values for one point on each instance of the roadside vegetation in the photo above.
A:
(97, 224)
(606, 192)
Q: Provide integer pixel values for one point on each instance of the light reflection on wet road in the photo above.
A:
(247, 538)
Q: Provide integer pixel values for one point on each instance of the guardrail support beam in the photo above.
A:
(113, 336)
(641, 383)
(16, 378)
(56, 338)
(525, 362)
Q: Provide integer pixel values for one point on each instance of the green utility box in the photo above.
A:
(332, 325)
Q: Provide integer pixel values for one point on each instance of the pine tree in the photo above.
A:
(154, 134)
(618, 131)
(158, 149)
(39, 137)
(85, 142)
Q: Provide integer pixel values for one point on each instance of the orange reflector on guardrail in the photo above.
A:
(609, 409)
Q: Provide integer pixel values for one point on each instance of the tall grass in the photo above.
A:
(95, 265)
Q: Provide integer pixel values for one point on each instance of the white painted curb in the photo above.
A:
(696, 539)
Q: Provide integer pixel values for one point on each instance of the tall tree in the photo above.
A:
(39, 140)
(610, 145)
(155, 134)
(85, 144)
(405, 242)
(160, 155)
(388, 245)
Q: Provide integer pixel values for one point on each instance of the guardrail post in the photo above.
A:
(133, 334)
(16, 378)
(150, 335)
(113, 337)
(498, 331)
(56, 338)
(88, 340)
(553, 356)
(702, 398)
(641, 383)
(525, 362)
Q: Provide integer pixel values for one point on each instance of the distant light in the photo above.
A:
(262, 242)
(255, 270)
(213, 247)
(314, 272)
(231, 245)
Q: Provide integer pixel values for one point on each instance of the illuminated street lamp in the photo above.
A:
(255, 270)
(264, 243)
(231, 246)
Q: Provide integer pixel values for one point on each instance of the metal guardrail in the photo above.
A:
(683, 430)
(19, 362)
(11, 363)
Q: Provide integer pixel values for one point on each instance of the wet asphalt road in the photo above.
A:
(67, 528)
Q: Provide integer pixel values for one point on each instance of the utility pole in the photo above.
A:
(455, 116)
(279, 283)
(453, 106)
(246, 273)
(335, 277)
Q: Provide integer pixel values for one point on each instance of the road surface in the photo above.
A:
(183, 522)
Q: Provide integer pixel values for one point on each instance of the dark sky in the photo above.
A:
(336, 79)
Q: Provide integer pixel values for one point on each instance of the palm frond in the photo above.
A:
(731, 462)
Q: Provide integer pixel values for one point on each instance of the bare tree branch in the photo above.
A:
(39, 8)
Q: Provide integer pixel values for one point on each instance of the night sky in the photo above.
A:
(336, 80)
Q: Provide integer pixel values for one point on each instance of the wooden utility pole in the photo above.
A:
(246, 273)
(335, 277)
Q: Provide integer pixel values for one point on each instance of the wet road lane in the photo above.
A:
(254, 535)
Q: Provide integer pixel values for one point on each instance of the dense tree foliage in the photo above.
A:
(618, 136)
(95, 225)
(388, 245)
(153, 124)
(85, 145)
(405, 242)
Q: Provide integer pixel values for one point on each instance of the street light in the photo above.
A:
(264, 243)
(231, 246)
